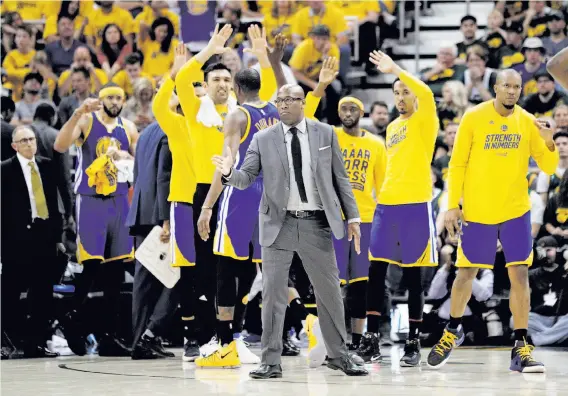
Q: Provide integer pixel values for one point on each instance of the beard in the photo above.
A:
(349, 123)
(112, 113)
(508, 107)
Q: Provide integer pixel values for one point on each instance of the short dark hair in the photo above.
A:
(133, 59)
(468, 18)
(560, 133)
(33, 76)
(378, 103)
(64, 16)
(197, 84)
(214, 66)
(248, 80)
(27, 29)
(394, 82)
(83, 71)
(44, 112)
(7, 104)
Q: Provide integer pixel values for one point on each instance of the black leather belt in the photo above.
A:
(304, 214)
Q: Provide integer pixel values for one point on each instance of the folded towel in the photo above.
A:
(207, 114)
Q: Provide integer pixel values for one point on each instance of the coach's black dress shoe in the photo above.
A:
(38, 352)
(266, 371)
(346, 364)
(143, 350)
(289, 349)
(159, 348)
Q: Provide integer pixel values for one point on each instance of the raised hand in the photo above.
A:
(383, 62)
(180, 58)
(546, 129)
(224, 164)
(276, 54)
(219, 38)
(257, 38)
(89, 105)
(329, 70)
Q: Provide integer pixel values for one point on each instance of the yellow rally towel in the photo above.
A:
(103, 175)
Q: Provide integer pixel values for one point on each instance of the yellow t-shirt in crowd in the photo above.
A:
(31, 9)
(100, 73)
(98, 20)
(51, 25)
(357, 8)
(123, 81)
(208, 141)
(308, 60)
(333, 18)
(147, 16)
(490, 162)
(365, 162)
(183, 180)
(410, 147)
(17, 65)
(156, 62)
(275, 25)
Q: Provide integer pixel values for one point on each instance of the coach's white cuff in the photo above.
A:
(355, 220)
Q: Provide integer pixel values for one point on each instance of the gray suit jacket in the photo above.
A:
(267, 153)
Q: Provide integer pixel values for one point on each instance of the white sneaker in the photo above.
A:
(246, 355)
(210, 348)
(256, 286)
(316, 349)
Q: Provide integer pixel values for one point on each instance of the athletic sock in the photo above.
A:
(520, 334)
(454, 323)
(148, 333)
(373, 323)
(225, 332)
(356, 339)
(414, 332)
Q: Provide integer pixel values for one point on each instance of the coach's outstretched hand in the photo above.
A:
(224, 163)
(452, 220)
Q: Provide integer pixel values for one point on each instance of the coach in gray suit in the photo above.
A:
(305, 189)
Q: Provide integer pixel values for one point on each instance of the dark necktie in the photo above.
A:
(297, 162)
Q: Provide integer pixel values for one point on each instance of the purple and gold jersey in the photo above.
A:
(94, 144)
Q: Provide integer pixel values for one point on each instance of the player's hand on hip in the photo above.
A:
(224, 163)
(165, 234)
(203, 223)
(452, 220)
(354, 234)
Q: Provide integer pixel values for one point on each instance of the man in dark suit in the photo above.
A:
(30, 237)
(152, 303)
(8, 107)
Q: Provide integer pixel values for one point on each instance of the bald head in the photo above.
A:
(508, 88)
(82, 56)
(290, 102)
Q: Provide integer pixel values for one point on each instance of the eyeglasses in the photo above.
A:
(288, 100)
(26, 140)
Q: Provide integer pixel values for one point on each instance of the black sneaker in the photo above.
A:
(522, 360)
(159, 348)
(74, 333)
(369, 349)
(412, 355)
(440, 353)
(190, 351)
(288, 348)
(113, 346)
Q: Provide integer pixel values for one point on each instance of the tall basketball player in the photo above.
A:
(103, 242)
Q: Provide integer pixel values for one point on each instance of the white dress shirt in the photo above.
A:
(24, 162)
(294, 201)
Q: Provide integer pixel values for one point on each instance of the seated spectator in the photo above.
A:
(82, 58)
(108, 13)
(153, 10)
(232, 60)
(479, 79)
(536, 20)
(468, 27)
(17, 62)
(556, 213)
(379, 115)
(306, 63)
(25, 108)
(534, 52)
(513, 11)
(443, 162)
(444, 70)
(511, 54)
(72, 11)
(81, 88)
(548, 319)
(31, 10)
(40, 65)
(113, 50)
(557, 39)
(158, 48)
(319, 12)
(232, 15)
(547, 185)
(440, 288)
(280, 20)
(367, 13)
(138, 108)
(126, 78)
(543, 102)
(10, 23)
(494, 38)
(560, 116)
(61, 51)
(453, 104)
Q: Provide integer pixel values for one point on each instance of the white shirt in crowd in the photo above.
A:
(543, 180)
(24, 162)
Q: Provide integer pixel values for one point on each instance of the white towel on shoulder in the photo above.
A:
(207, 114)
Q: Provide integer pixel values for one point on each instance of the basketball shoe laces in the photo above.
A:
(525, 352)
(446, 343)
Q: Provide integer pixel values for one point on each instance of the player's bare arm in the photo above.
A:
(328, 73)
(76, 125)
(234, 129)
(558, 67)
(275, 56)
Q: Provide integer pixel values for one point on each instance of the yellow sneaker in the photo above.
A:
(316, 348)
(226, 357)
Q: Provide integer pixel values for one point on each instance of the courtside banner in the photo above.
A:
(197, 19)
